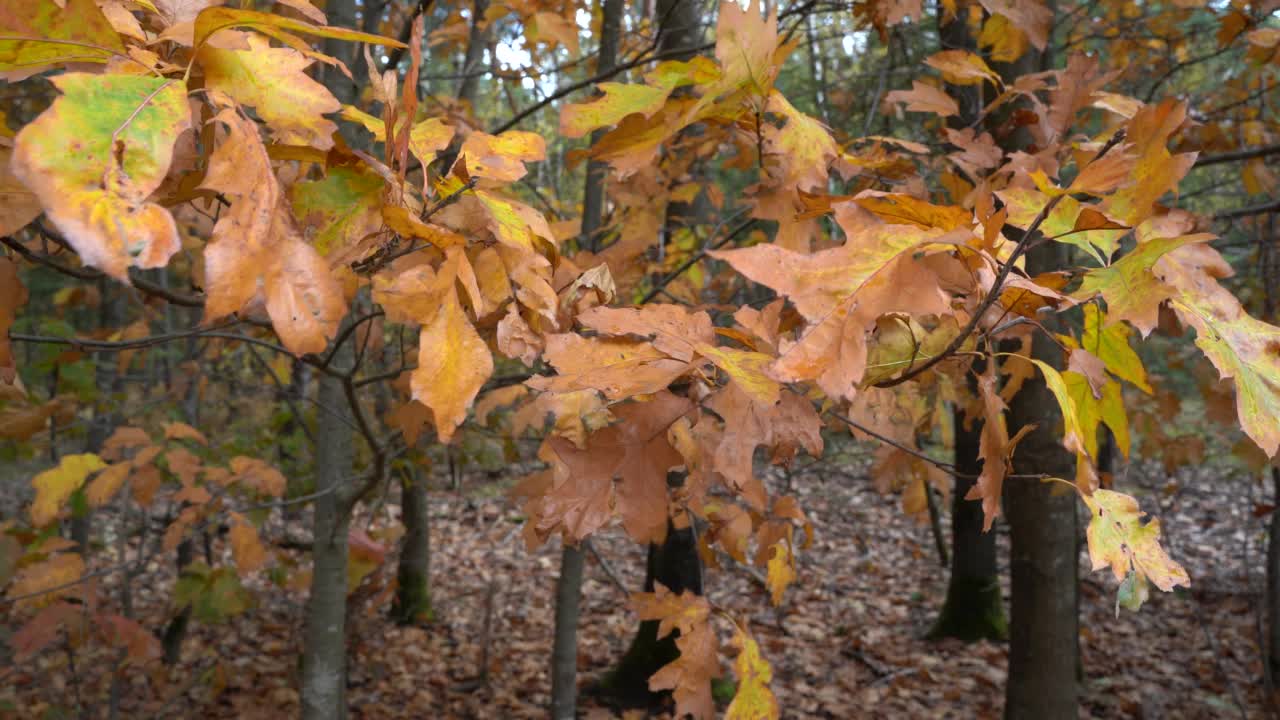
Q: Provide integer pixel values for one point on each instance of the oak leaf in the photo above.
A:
(1120, 540)
(56, 485)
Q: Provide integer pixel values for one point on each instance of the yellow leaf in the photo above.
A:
(453, 364)
(754, 700)
(56, 485)
(782, 571)
(272, 80)
(748, 369)
(961, 67)
(1119, 539)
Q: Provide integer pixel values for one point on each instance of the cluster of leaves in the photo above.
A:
(181, 158)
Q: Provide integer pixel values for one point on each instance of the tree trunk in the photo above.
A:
(1044, 634)
(413, 592)
(324, 659)
(477, 41)
(564, 651)
(1273, 580)
(675, 564)
(973, 609)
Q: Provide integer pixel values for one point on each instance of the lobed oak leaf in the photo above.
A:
(1132, 291)
(46, 627)
(746, 41)
(803, 148)
(994, 448)
(1156, 171)
(689, 675)
(120, 130)
(56, 485)
(1241, 347)
(925, 98)
(790, 423)
(259, 475)
(1120, 540)
(140, 644)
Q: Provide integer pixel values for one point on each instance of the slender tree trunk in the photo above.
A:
(413, 592)
(564, 652)
(1273, 580)
(324, 671)
(477, 41)
(973, 609)
(324, 652)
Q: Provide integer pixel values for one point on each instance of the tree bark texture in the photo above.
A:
(413, 574)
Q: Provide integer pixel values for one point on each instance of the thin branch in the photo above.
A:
(1237, 155)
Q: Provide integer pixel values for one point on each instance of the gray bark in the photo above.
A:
(1273, 580)
(564, 654)
(324, 671)
(477, 42)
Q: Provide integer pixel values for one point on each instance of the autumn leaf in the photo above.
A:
(273, 81)
(754, 700)
(1120, 540)
(33, 30)
(257, 256)
(502, 157)
(1109, 341)
(637, 452)
(42, 582)
(1132, 291)
(782, 571)
(96, 156)
(246, 548)
(56, 485)
(924, 98)
(689, 675)
(961, 67)
(453, 363)
(211, 20)
(336, 212)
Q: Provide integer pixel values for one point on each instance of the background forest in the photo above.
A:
(639, 358)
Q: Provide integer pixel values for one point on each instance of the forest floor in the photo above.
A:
(846, 643)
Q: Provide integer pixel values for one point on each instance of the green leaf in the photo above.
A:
(1132, 291)
(339, 209)
(1110, 343)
